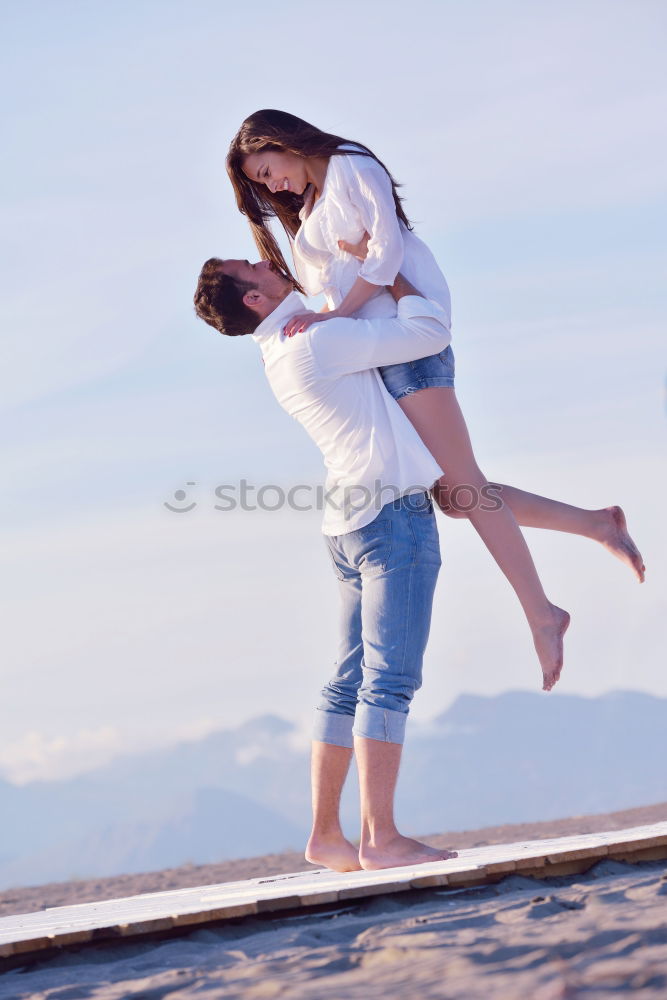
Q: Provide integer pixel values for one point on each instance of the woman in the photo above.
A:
(329, 194)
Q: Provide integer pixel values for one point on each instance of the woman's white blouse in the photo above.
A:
(357, 196)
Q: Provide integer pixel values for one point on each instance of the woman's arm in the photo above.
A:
(357, 296)
(361, 290)
(358, 250)
(371, 193)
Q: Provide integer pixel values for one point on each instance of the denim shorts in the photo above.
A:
(426, 373)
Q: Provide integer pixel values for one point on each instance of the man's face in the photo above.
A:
(270, 283)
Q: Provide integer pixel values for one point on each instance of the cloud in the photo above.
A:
(35, 755)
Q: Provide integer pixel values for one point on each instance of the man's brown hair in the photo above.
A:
(219, 301)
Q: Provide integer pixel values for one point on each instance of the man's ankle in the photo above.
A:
(326, 831)
(378, 836)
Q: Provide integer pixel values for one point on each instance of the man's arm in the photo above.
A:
(402, 287)
(344, 345)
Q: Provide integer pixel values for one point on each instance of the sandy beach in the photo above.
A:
(594, 935)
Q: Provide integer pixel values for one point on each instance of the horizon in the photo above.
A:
(299, 738)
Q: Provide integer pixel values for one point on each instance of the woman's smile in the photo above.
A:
(279, 172)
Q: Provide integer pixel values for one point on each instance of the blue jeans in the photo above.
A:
(387, 573)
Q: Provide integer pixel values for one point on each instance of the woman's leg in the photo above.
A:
(605, 525)
(437, 417)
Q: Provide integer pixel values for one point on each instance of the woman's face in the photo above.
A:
(279, 171)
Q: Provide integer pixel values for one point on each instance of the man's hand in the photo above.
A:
(403, 287)
(358, 250)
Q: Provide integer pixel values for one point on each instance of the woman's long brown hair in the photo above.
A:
(280, 132)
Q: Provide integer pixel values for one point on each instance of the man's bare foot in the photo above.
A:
(616, 539)
(548, 639)
(332, 851)
(398, 851)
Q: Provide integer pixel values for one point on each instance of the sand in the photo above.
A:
(596, 935)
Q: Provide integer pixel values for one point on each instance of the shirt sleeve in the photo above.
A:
(344, 345)
(371, 193)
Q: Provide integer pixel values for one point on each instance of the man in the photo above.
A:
(378, 524)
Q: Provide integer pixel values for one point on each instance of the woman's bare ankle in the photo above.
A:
(548, 617)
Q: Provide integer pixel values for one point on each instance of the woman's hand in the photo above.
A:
(301, 322)
(358, 250)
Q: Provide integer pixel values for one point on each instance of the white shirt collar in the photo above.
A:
(271, 324)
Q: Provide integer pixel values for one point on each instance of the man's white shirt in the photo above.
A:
(327, 379)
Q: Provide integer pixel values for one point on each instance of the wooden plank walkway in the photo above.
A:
(31, 935)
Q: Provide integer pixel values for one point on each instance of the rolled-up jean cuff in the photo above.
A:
(379, 723)
(333, 727)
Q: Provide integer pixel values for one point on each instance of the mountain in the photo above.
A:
(199, 828)
(520, 757)
(511, 758)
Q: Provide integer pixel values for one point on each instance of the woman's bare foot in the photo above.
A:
(616, 539)
(398, 851)
(548, 639)
(332, 851)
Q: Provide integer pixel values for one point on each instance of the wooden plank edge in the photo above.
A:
(641, 843)
(656, 853)
(380, 889)
(45, 942)
(559, 863)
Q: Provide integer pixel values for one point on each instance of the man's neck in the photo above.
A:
(277, 302)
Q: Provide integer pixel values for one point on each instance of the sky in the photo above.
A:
(529, 139)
